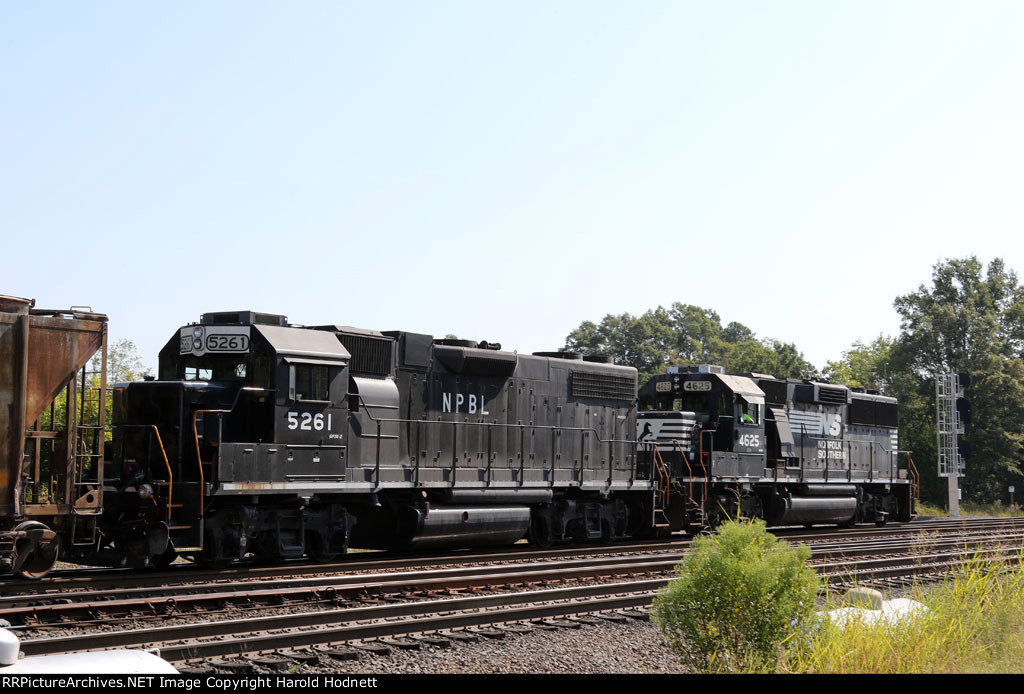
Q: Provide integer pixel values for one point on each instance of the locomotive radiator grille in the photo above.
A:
(370, 355)
(588, 384)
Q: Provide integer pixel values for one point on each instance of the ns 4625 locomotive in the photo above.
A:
(264, 439)
(790, 451)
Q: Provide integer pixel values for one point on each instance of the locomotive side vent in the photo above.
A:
(774, 391)
(588, 384)
(874, 413)
(831, 396)
(862, 412)
(886, 415)
(370, 355)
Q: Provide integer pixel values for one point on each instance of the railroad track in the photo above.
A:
(61, 583)
(166, 600)
(131, 603)
(412, 605)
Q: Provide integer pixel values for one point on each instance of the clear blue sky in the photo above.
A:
(506, 170)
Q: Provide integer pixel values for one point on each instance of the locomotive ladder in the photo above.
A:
(693, 509)
(661, 497)
(86, 441)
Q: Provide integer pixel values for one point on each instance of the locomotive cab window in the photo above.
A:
(308, 382)
(215, 368)
(665, 403)
(749, 413)
(695, 402)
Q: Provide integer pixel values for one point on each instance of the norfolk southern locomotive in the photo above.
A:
(266, 439)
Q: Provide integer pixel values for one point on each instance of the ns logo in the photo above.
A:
(835, 427)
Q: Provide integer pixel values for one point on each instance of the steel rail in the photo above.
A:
(60, 582)
(20, 609)
(423, 616)
(353, 588)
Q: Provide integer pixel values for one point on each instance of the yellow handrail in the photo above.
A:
(916, 478)
(689, 470)
(199, 456)
(170, 474)
(662, 475)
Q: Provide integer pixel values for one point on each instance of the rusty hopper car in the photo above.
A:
(51, 434)
(265, 438)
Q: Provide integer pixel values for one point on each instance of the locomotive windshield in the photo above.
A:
(685, 402)
(239, 368)
(215, 368)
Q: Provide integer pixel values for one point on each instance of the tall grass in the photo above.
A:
(996, 508)
(975, 624)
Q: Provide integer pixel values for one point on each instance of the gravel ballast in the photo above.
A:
(631, 647)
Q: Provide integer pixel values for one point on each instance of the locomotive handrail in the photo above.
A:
(915, 478)
(498, 424)
(872, 443)
(195, 434)
(689, 471)
(163, 452)
(455, 424)
(706, 465)
(663, 476)
(170, 474)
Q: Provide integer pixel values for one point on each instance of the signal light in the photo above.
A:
(963, 410)
(963, 446)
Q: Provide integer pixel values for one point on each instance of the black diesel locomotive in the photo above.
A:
(272, 440)
(281, 441)
(790, 451)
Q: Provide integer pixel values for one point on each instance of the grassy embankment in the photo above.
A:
(975, 624)
(969, 509)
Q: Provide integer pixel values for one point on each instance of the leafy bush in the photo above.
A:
(741, 594)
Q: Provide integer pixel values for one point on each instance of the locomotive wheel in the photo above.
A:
(42, 557)
(539, 533)
(211, 556)
(317, 551)
(211, 562)
(165, 559)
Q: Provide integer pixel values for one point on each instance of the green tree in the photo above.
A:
(644, 342)
(123, 366)
(773, 357)
(123, 363)
(865, 366)
(971, 320)
(685, 334)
